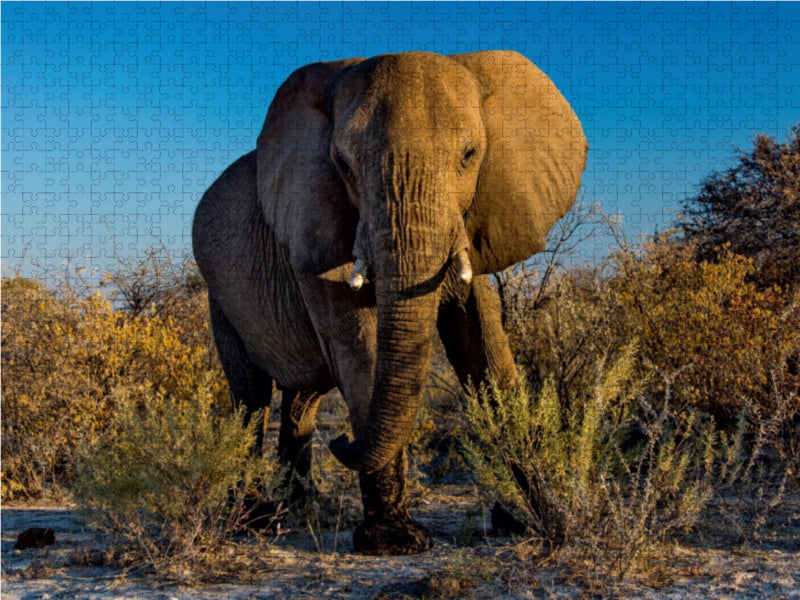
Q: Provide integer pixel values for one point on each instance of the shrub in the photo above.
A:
(709, 317)
(605, 477)
(714, 358)
(168, 482)
(731, 338)
(37, 425)
(64, 357)
(560, 331)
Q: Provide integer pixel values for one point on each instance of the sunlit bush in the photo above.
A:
(63, 359)
(732, 339)
(170, 481)
(602, 479)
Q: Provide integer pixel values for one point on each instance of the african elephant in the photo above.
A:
(381, 194)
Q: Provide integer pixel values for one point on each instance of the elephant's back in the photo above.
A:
(249, 277)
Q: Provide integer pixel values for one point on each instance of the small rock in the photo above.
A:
(35, 537)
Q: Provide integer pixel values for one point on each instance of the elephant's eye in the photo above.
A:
(469, 154)
(342, 165)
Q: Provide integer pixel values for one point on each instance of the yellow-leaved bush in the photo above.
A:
(734, 340)
(65, 357)
(735, 344)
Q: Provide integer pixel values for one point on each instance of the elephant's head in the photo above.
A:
(405, 168)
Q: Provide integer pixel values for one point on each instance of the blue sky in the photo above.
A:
(116, 117)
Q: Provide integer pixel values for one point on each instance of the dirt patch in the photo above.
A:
(465, 563)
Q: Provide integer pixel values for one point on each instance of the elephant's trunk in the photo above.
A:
(405, 340)
(411, 239)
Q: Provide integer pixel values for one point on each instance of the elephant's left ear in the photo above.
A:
(536, 152)
(300, 192)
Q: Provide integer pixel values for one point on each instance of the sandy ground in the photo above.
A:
(303, 566)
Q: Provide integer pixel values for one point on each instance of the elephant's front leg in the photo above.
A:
(346, 323)
(471, 330)
(470, 326)
(298, 413)
(388, 528)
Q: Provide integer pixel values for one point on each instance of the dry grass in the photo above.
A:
(696, 565)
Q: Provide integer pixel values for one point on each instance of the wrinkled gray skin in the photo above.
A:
(409, 172)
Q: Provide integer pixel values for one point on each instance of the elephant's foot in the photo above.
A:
(388, 528)
(301, 503)
(391, 536)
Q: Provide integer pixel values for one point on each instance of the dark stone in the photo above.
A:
(35, 537)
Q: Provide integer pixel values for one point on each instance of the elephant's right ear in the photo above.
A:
(300, 192)
(536, 152)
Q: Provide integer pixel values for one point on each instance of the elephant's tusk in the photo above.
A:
(463, 265)
(358, 276)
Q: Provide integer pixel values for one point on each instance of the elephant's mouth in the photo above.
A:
(361, 273)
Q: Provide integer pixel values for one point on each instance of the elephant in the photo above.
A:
(380, 197)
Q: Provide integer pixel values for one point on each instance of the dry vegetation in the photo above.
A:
(67, 353)
(659, 403)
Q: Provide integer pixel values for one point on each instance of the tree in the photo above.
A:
(753, 209)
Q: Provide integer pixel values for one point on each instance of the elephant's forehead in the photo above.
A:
(425, 101)
(425, 81)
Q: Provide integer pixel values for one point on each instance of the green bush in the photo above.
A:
(170, 480)
(604, 477)
(711, 392)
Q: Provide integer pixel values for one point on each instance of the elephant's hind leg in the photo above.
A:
(298, 414)
(250, 386)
